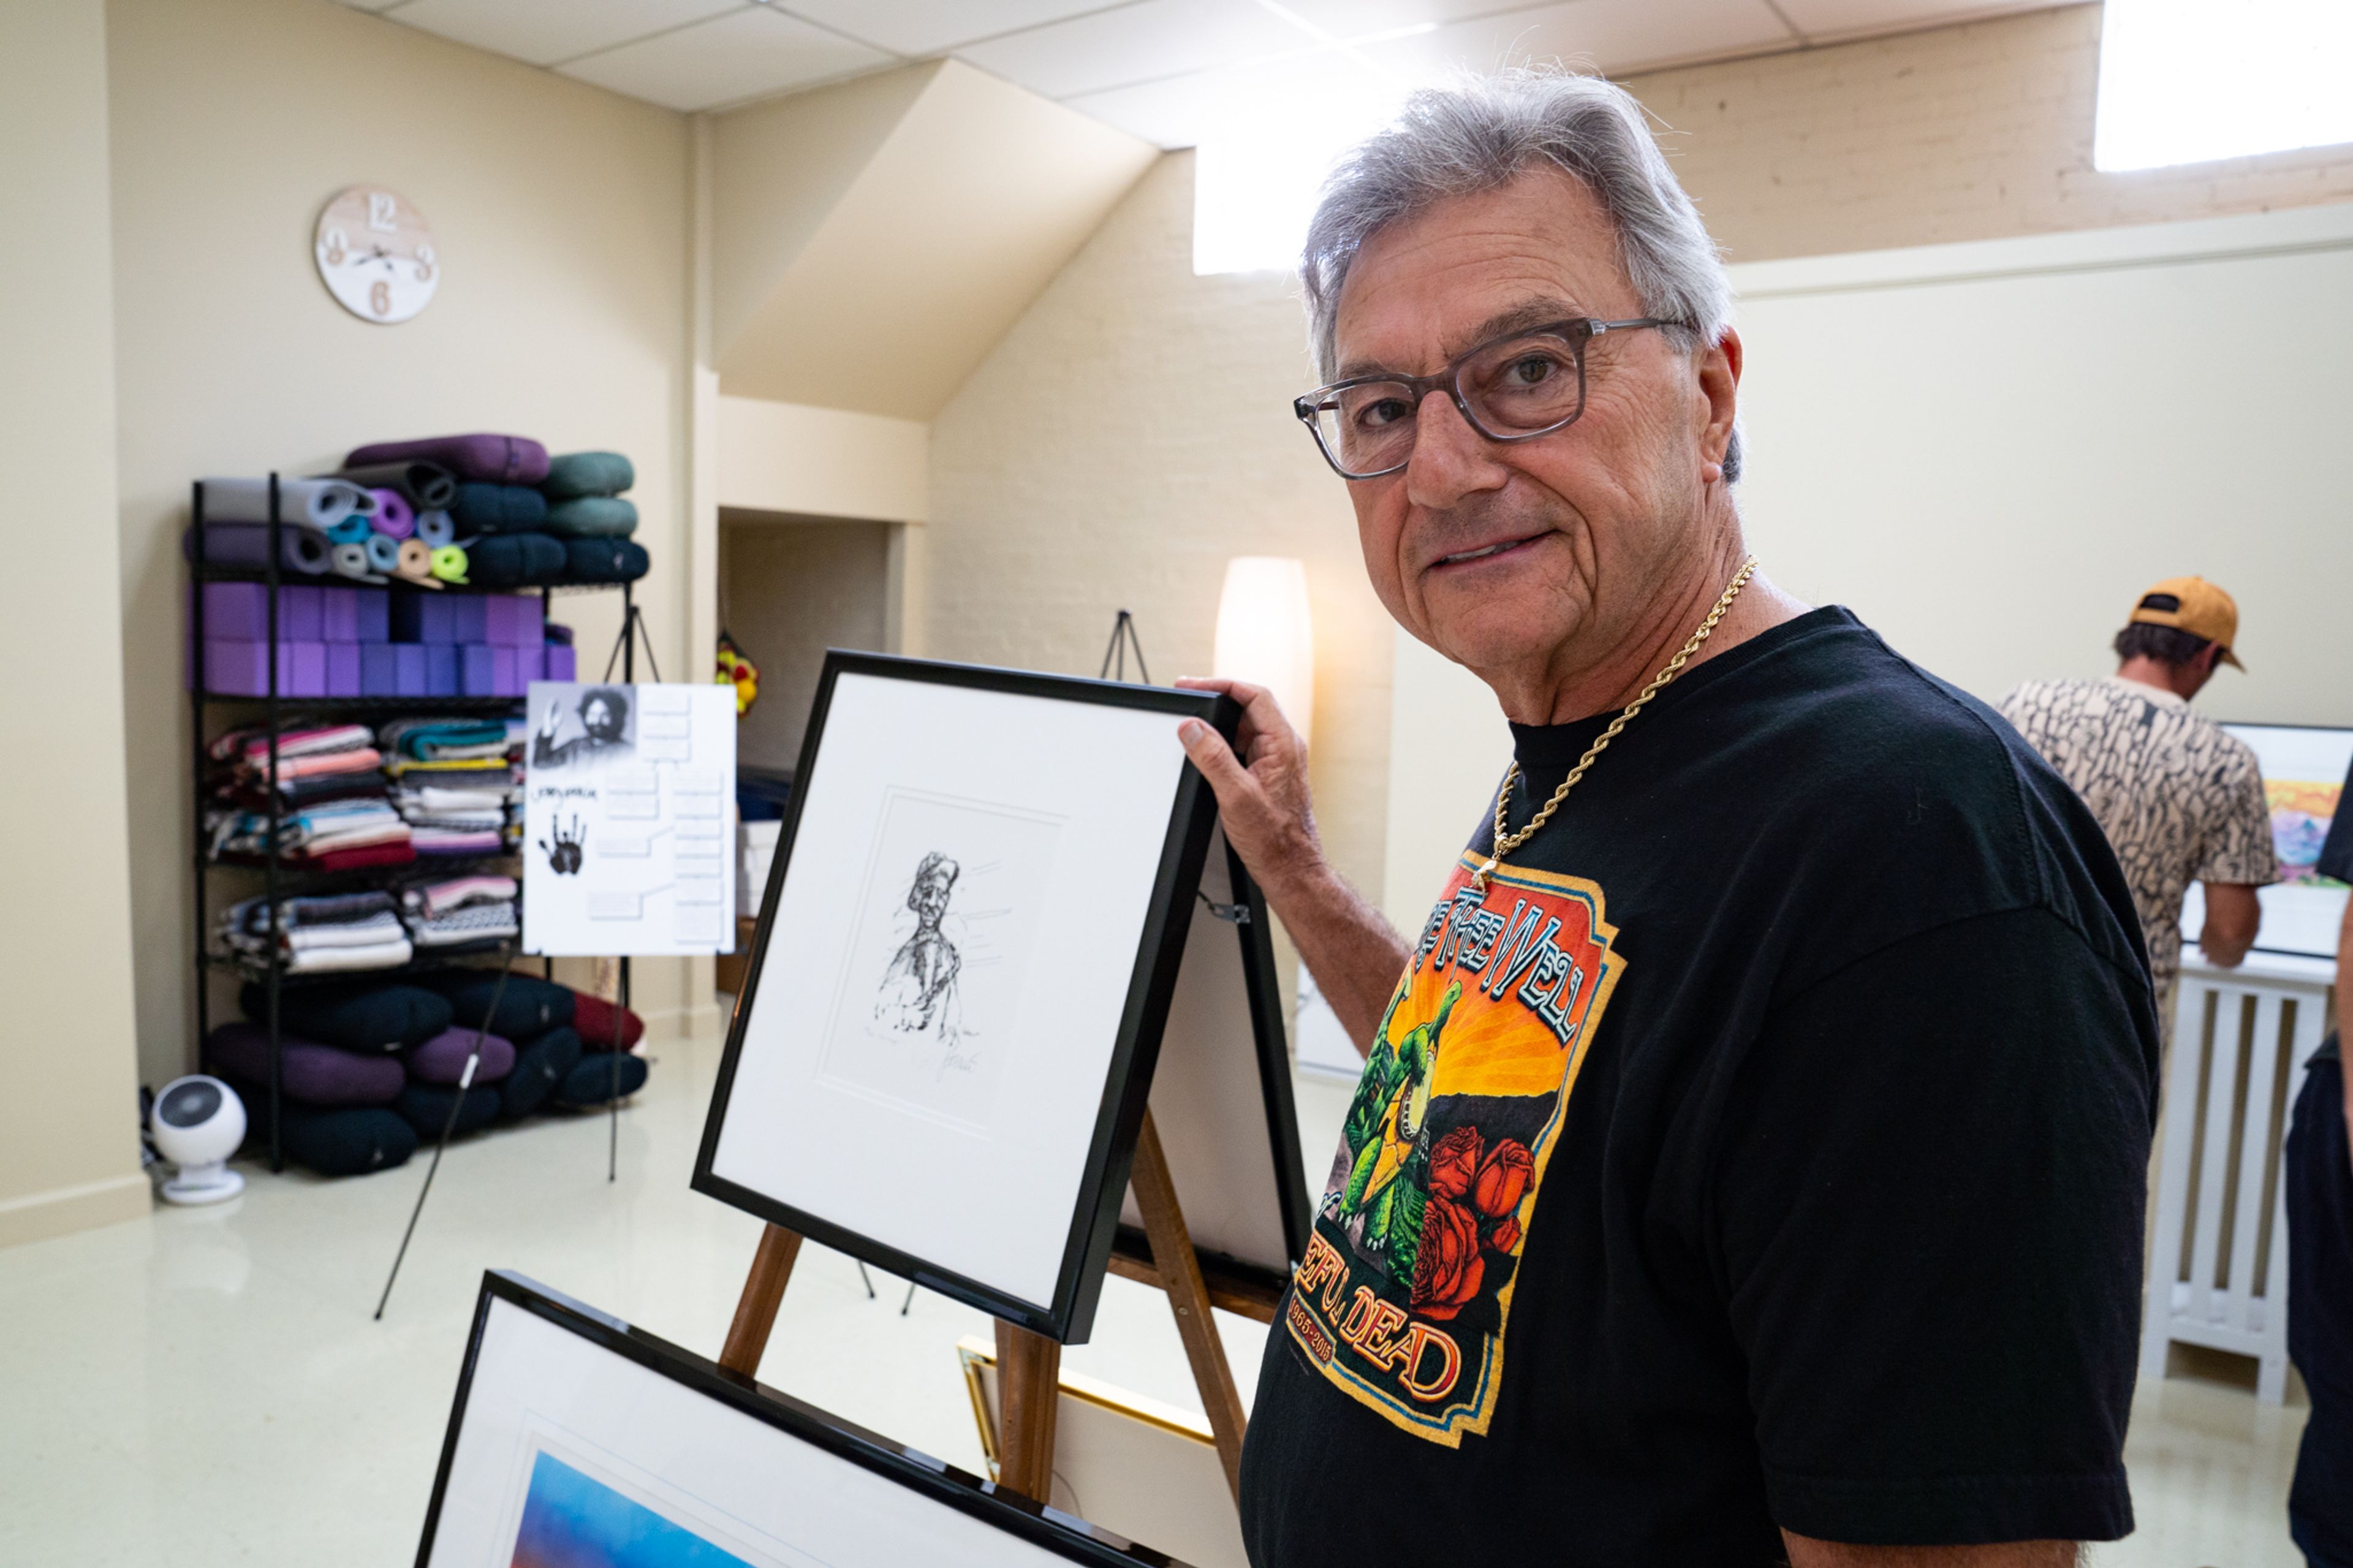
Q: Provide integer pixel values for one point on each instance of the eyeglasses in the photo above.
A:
(1515, 387)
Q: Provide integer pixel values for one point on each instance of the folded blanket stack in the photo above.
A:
(329, 783)
(321, 934)
(460, 910)
(456, 781)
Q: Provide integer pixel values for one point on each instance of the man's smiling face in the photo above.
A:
(1531, 557)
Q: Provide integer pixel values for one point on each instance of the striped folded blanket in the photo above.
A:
(474, 923)
(252, 742)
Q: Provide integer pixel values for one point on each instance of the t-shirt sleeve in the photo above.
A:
(2336, 851)
(2238, 847)
(1928, 1210)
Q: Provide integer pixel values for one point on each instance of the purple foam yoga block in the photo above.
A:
(380, 669)
(238, 667)
(373, 610)
(441, 670)
(562, 664)
(339, 615)
(344, 679)
(408, 668)
(467, 619)
(301, 614)
(487, 671)
(235, 612)
(418, 616)
(513, 620)
(530, 663)
(507, 675)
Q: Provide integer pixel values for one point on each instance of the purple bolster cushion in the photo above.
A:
(313, 1074)
(442, 1059)
(500, 459)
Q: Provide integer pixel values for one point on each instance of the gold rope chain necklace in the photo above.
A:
(1507, 843)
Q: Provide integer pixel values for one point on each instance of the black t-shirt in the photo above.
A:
(2336, 860)
(1766, 1146)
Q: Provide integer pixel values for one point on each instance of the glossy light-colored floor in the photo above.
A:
(207, 1387)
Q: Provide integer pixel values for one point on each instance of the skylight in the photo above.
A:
(2188, 81)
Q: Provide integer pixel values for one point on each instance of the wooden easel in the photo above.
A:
(1029, 1364)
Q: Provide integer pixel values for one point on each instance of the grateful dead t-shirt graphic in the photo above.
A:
(1407, 1286)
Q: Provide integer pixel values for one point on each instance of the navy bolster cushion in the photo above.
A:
(578, 474)
(540, 1065)
(442, 1059)
(607, 560)
(495, 508)
(605, 1026)
(529, 1007)
(347, 1142)
(359, 1016)
(425, 1108)
(516, 560)
(317, 1075)
(593, 517)
(593, 1082)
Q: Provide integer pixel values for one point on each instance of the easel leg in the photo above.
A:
(1028, 1382)
(763, 1291)
(1189, 1297)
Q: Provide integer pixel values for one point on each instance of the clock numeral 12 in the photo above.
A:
(383, 210)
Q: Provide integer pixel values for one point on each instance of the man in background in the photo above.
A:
(2180, 800)
(2319, 1182)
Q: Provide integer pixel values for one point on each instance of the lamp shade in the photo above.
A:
(1266, 635)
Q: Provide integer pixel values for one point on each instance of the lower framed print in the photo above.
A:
(965, 958)
(579, 1441)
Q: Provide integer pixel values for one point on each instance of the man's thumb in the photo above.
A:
(1209, 753)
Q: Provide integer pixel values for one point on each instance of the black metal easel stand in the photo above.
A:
(625, 653)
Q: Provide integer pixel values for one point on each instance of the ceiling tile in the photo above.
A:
(1137, 43)
(744, 53)
(545, 31)
(1615, 35)
(1852, 18)
(925, 26)
(1349, 20)
(1180, 111)
(377, 6)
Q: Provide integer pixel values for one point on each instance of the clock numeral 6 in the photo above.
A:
(380, 297)
(383, 210)
(336, 245)
(425, 260)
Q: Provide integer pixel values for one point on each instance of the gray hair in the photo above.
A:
(1483, 131)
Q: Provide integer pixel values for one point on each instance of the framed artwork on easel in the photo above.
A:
(982, 893)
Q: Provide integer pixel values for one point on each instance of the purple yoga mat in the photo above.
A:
(394, 515)
(442, 1059)
(500, 459)
(313, 1074)
(299, 548)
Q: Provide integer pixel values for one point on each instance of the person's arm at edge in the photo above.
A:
(1263, 801)
(1807, 1552)
(2233, 915)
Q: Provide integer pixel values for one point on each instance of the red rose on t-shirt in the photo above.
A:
(1447, 1267)
(1454, 1164)
(1502, 1177)
(1505, 1236)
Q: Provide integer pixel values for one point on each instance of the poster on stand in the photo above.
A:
(2304, 772)
(628, 820)
(965, 960)
(578, 1440)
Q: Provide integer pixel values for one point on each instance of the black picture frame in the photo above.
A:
(1068, 1316)
(922, 1476)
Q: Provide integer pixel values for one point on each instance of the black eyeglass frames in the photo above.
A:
(1514, 388)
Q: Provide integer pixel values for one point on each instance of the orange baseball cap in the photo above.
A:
(2194, 606)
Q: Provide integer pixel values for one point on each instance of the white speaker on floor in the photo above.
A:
(198, 1124)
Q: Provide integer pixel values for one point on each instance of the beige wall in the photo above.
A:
(1130, 434)
(1970, 133)
(562, 214)
(790, 588)
(70, 1140)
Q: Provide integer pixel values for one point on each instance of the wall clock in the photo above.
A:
(376, 254)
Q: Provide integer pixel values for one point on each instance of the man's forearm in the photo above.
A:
(1352, 950)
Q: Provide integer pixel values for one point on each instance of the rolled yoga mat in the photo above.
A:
(383, 552)
(428, 485)
(449, 563)
(353, 530)
(607, 559)
(498, 509)
(303, 550)
(435, 529)
(394, 515)
(587, 474)
(316, 503)
(502, 460)
(350, 561)
(516, 560)
(592, 517)
(416, 562)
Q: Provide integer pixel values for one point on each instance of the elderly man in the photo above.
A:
(1747, 1163)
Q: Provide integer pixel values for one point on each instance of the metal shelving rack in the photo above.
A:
(279, 879)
